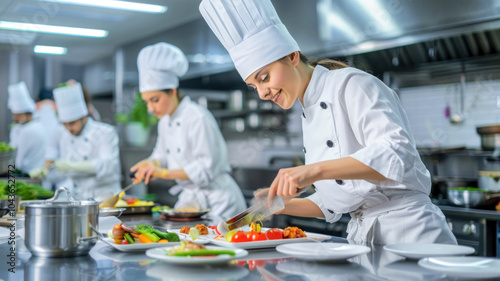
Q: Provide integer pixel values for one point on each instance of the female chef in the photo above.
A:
(190, 148)
(360, 154)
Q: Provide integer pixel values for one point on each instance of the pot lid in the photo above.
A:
(488, 130)
(57, 202)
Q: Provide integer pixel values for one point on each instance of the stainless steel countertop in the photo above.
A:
(105, 263)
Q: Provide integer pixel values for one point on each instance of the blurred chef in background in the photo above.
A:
(27, 135)
(89, 151)
(190, 148)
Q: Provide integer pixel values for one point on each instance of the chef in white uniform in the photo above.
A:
(89, 151)
(27, 135)
(360, 153)
(190, 147)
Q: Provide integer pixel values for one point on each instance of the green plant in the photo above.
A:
(138, 113)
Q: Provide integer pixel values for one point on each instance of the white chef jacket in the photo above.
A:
(30, 140)
(98, 143)
(190, 139)
(350, 113)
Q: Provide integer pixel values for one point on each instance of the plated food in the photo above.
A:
(140, 233)
(194, 253)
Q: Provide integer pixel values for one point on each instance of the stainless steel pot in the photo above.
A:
(490, 137)
(61, 228)
(471, 198)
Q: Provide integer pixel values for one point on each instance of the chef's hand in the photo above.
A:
(65, 166)
(150, 173)
(290, 182)
(38, 173)
(147, 168)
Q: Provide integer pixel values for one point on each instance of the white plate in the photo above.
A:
(463, 267)
(162, 254)
(323, 251)
(311, 237)
(142, 246)
(418, 251)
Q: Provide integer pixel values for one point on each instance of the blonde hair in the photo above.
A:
(328, 63)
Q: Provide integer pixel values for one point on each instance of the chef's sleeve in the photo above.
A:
(108, 162)
(159, 151)
(330, 215)
(205, 150)
(380, 125)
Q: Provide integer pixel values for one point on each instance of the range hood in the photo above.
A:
(440, 38)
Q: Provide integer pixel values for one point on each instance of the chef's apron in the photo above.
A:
(407, 217)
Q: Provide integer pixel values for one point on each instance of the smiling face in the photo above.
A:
(160, 103)
(280, 81)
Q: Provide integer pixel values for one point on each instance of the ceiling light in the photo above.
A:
(116, 4)
(50, 50)
(65, 30)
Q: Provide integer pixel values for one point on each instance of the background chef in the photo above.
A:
(27, 134)
(359, 151)
(190, 144)
(89, 150)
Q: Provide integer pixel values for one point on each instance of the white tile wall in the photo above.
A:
(426, 106)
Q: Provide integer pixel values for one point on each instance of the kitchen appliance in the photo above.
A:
(490, 137)
(472, 197)
(61, 228)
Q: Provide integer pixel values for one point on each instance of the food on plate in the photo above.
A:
(133, 202)
(274, 233)
(497, 207)
(189, 249)
(201, 228)
(160, 208)
(238, 236)
(293, 232)
(185, 229)
(194, 233)
(141, 233)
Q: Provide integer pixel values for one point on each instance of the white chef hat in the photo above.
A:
(160, 66)
(251, 31)
(20, 100)
(70, 103)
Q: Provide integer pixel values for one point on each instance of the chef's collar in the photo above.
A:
(314, 89)
(181, 107)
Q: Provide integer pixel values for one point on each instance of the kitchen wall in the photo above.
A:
(426, 108)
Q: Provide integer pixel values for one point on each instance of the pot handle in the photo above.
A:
(93, 239)
(56, 196)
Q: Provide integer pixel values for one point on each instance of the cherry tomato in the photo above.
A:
(130, 201)
(240, 236)
(274, 233)
(257, 236)
(250, 233)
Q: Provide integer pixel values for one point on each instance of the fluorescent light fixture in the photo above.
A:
(116, 4)
(382, 18)
(330, 20)
(42, 28)
(50, 50)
